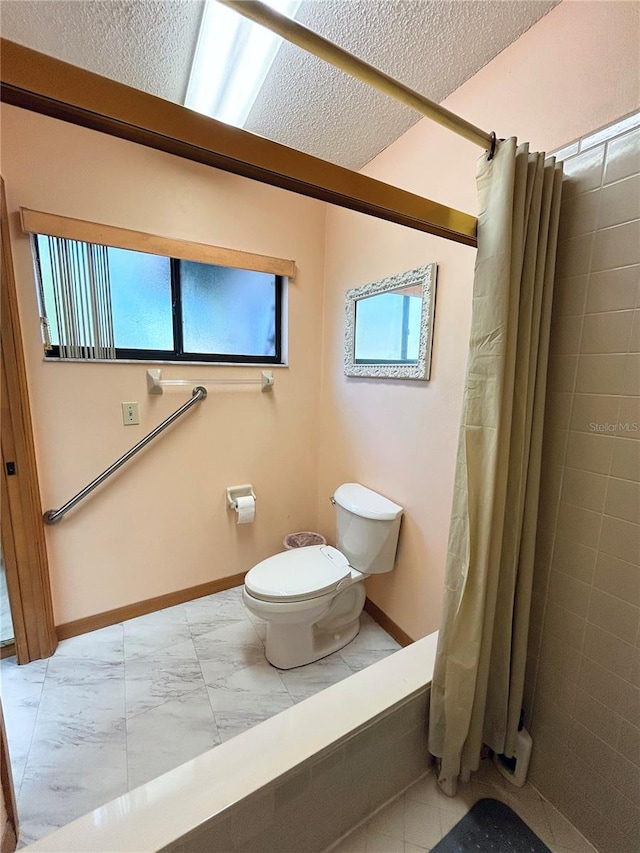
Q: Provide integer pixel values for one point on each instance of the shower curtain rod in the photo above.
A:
(310, 41)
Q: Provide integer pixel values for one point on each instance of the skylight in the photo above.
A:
(232, 59)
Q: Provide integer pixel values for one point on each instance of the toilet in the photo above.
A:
(311, 598)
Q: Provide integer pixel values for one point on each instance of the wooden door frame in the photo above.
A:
(23, 538)
(9, 837)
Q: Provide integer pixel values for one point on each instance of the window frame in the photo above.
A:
(44, 224)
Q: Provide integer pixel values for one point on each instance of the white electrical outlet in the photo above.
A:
(130, 414)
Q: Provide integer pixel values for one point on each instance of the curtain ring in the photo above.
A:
(492, 149)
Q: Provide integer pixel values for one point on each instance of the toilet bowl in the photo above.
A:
(311, 598)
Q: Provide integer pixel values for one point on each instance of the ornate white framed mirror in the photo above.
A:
(389, 326)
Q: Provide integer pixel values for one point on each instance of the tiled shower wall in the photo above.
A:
(583, 680)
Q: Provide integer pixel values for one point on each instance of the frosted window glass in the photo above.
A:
(140, 294)
(227, 311)
(141, 299)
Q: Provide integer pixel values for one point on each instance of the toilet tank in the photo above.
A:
(367, 527)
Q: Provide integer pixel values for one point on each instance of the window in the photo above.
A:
(106, 302)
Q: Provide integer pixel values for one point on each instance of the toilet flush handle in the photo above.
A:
(332, 500)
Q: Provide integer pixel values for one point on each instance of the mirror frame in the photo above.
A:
(424, 276)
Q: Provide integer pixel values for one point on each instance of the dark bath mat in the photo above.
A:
(490, 827)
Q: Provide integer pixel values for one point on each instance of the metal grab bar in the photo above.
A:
(51, 516)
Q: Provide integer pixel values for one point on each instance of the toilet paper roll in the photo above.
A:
(245, 509)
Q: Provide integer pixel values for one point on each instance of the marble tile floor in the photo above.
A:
(117, 707)
(416, 820)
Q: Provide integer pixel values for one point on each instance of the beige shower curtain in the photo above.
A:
(477, 688)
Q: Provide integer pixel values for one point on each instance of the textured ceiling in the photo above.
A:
(304, 103)
(433, 47)
(148, 44)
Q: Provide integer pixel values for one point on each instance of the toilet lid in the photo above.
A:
(298, 574)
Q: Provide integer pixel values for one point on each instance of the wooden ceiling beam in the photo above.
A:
(37, 82)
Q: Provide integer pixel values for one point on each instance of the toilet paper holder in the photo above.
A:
(235, 492)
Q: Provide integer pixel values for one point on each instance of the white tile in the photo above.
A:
(237, 689)
(565, 151)
(237, 635)
(154, 632)
(583, 172)
(48, 800)
(357, 661)
(224, 701)
(481, 790)
(75, 729)
(232, 723)
(21, 693)
(220, 601)
(213, 611)
(305, 681)
(106, 645)
(428, 791)
(150, 683)
(20, 722)
(76, 686)
(389, 820)
(448, 819)
(371, 645)
(377, 843)
(615, 247)
(372, 636)
(422, 824)
(489, 775)
(167, 736)
(229, 663)
(623, 157)
(63, 759)
(159, 620)
(18, 681)
(67, 672)
(624, 125)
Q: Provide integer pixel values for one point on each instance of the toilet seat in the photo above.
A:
(298, 575)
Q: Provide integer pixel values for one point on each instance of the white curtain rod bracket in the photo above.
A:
(156, 384)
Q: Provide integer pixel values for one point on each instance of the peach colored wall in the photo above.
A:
(161, 523)
(575, 70)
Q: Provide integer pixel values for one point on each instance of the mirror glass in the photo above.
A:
(389, 326)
